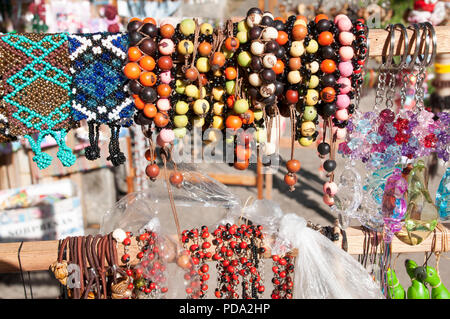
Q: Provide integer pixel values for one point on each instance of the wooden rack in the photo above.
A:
(40, 254)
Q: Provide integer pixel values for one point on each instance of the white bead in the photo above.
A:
(254, 79)
(269, 60)
(257, 48)
(119, 235)
(270, 33)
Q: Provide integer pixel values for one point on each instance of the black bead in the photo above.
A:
(267, 21)
(135, 87)
(327, 52)
(254, 10)
(268, 75)
(323, 148)
(329, 109)
(255, 33)
(328, 80)
(148, 46)
(150, 29)
(148, 95)
(253, 92)
(329, 165)
(323, 25)
(134, 37)
(268, 101)
(279, 25)
(279, 88)
(133, 25)
(280, 52)
(256, 64)
(271, 46)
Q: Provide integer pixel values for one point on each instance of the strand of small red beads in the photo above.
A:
(150, 273)
(283, 270)
(147, 279)
(197, 244)
(239, 253)
(251, 253)
(228, 278)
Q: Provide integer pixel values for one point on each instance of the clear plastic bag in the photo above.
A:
(200, 200)
(323, 270)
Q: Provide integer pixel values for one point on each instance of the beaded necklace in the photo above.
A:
(98, 88)
(37, 88)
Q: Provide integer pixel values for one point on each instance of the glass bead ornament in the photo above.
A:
(394, 204)
(421, 215)
(443, 196)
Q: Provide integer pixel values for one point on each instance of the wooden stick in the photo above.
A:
(39, 255)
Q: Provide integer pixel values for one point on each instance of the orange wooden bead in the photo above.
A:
(164, 90)
(295, 63)
(204, 48)
(149, 20)
(300, 17)
(147, 63)
(241, 165)
(232, 44)
(299, 32)
(138, 102)
(132, 70)
(134, 54)
(248, 117)
(281, 19)
(243, 153)
(328, 94)
(134, 19)
(161, 119)
(328, 66)
(325, 38)
(282, 38)
(230, 73)
(150, 110)
(218, 59)
(167, 30)
(320, 17)
(234, 122)
(278, 67)
(149, 157)
(148, 78)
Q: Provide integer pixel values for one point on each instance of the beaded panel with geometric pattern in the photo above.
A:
(99, 88)
(36, 83)
(98, 84)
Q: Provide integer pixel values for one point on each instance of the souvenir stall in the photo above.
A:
(188, 89)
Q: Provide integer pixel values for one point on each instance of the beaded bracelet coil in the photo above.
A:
(98, 88)
(36, 85)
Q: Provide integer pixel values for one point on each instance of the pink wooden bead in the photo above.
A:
(346, 53)
(166, 47)
(166, 77)
(338, 17)
(341, 133)
(342, 101)
(163, 104)
(160, 142)
(344, 24)
(346, 69)
(328, 200)
(166, 135)
(330, 188)
(346, 85)
(346, 38)
(342, 115)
